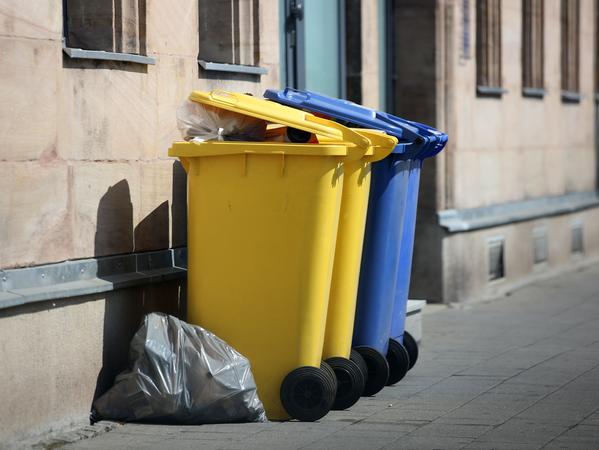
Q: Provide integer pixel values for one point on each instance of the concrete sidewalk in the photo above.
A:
(518, 373)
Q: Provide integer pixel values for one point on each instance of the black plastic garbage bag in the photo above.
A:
(181, 374)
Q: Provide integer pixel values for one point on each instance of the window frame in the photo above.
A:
(216, 66)
(568, 94)
(98, 55)
(596, 55)
(484, 23)
(533, 40)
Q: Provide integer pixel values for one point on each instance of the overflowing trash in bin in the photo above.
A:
(300, 231)
(181, 374)
(199, 123)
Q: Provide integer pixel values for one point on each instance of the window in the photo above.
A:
(570, 36)
(229, 34)
(532, 47)
(539, 236)
(488, 47)
(596, 51)
(353, 50)
(495, 252)
(576, 239)
(117, 26)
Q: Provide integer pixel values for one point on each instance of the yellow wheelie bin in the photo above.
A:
(349, 367)
(262, 229)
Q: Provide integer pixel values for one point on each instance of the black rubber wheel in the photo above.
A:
(377, 369)
(307, 393)
(357, 358)
(412, 347)
(399, 361)
(350, 382)
(330, 375)
(298, 136)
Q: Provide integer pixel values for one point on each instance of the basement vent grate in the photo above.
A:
(539, 237)
(495, 248)
(577, 242)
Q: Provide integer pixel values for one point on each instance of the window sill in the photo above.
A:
(533, 92)
(571, 97)
(78, 53)
(490, 91)
(234, 68)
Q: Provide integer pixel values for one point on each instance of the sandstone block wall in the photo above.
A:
(84, 162)
(515, 147)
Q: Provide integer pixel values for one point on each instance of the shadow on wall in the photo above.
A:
(116, 234)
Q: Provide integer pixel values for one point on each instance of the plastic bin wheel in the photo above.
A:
(298, 136)
(350, 382)
(308, 393)
(399, 361)
(330, 375)
(357, 358)
(412, 347)
(378, 370)
(330, 372)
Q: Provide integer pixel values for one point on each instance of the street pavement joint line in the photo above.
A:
(571, 427)
(591, 299)
(592, 343)
(577, 424)
(537, 401)
(511, 349)
(499, 384)
(325, 436)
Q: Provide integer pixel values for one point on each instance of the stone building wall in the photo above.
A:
(85, 142)
(507, 157)
(515, 147)
(84, 173)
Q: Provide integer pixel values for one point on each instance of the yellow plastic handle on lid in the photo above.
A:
(348, 135)
(224, 97)
(382, 143)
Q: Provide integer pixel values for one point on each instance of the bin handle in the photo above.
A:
(223, 97)
(381, 143)
(347, 134)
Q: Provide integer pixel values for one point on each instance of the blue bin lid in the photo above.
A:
(416, 140)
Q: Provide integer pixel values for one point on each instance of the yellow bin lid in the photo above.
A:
(285, 115)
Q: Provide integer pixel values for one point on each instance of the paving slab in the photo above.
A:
(520, 372)
(522, 431)
(578, 437)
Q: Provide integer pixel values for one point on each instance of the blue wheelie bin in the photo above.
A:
(388, 242)
(413, 161)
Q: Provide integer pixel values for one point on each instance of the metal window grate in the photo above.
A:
(540, 252)
(577, 240)
(495, 249)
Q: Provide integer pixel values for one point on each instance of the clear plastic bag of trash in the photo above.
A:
(181, 374)
(198, 123)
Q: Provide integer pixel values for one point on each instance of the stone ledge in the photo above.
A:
(461, 220)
